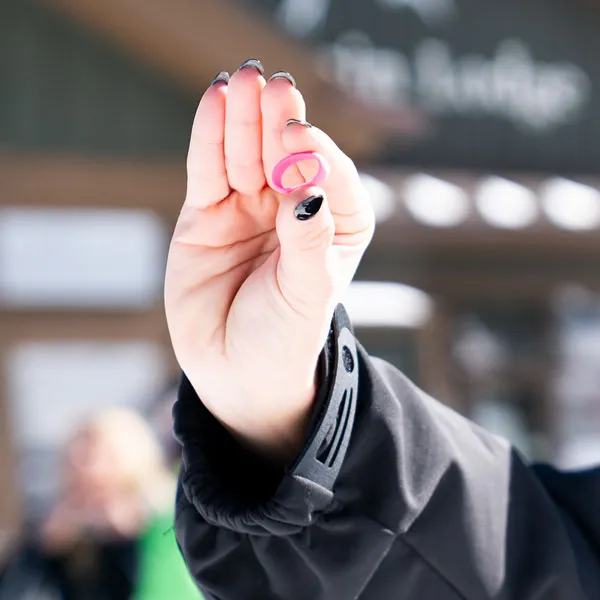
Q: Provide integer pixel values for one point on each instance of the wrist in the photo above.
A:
(278, 432)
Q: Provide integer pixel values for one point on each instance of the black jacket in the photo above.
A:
(395, 497)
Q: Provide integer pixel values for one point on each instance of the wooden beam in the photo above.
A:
(543, 240)
(160, 186)
(191, 40)
(76, 182)
(10, 511)
(70, 325)
(20, 325)
(482, 286)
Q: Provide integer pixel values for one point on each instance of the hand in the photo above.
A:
(250, 288)
(121, 515)
(59, 533)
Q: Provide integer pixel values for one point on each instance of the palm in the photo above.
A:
(238, 237)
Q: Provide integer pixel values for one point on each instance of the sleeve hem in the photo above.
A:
(232, 488)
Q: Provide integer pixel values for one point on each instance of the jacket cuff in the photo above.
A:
(232, 488)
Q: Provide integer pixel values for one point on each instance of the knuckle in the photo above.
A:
(243, 162)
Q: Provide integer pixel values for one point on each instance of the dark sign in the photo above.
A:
(506, 84)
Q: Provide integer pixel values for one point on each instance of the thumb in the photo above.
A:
(306, 229)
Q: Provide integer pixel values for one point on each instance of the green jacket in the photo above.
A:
(162, 571)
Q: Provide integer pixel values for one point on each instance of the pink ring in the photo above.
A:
(284, 164)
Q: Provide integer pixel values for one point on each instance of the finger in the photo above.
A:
(243, 143)
(345, 193)
(305, 229)
(207, 182)
(280, 102)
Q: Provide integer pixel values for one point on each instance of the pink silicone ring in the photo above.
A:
(284, 164)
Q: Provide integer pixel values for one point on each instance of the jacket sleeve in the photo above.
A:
(394, 496)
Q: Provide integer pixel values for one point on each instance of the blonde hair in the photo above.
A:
(140, 462)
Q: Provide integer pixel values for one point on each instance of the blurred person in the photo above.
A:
(110, 534)
(312, 471)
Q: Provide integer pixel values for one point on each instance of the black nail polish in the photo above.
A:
(222, 77)
(298, 122)
(252, 63)
(283, 75)
(308, 208)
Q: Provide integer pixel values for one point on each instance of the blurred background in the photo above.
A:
(475, 125)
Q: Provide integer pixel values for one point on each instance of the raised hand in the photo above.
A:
(253, 277)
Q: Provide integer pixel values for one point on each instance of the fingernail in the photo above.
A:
(252, 63)
(308, 208)
(297, 122)
(283, 75)
(222, 77)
